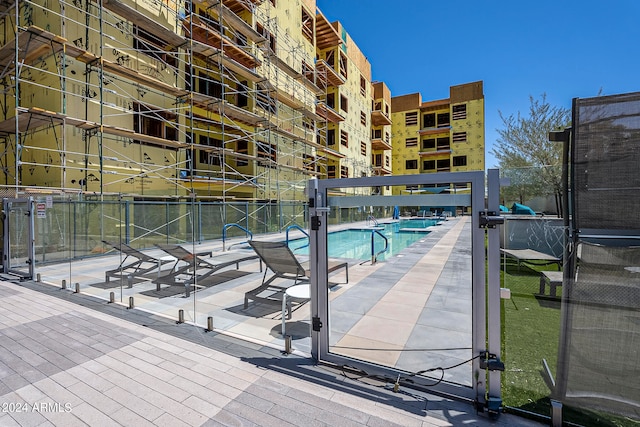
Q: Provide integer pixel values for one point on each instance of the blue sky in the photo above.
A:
(564, 48)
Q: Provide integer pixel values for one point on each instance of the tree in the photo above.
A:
(526, 155)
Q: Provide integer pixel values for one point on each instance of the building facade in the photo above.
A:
(444, 135)
(220, 100)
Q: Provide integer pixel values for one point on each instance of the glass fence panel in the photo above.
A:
(531, 268)
(407, 303)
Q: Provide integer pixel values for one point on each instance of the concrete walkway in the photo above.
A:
(72, 360)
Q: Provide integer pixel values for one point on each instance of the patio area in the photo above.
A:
(410, 312)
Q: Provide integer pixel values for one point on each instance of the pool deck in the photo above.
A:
(149, 370)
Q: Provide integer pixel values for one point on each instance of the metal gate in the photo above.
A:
(463, 194)
(19, 240)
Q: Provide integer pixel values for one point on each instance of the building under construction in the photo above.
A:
(213, 100)
(222, 100)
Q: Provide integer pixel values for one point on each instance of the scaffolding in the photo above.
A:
(149, 99)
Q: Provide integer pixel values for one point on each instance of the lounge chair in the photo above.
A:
(195, 268)
(531, 256)
(140, 268)
(284, 265)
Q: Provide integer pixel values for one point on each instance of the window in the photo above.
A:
(331, 171)
(378, 160)
(343, 65)
(344, 138)
(150, 122)
(243, 99)
(459, 111)
(411, 142)
(331, 137)
(209, 86)
(429, 144)
(344, 103)
(207, 157)
(331, 100)
(387, 137)
(363, 118)
(411, 119)
(411, 164)
(459, 160)
(307, 25)
(376, 134)
(267, 35)
(386, 162)
(459, 137)
(153, 46)
(443, 165)
(330, 58)
(443, 120)
(264, 100)
(308, 162)
(363, 86)
(363, 148)
(429, 165)
(429, 120)
(242, 147)
(344, 172)
(443, 143)
(268, 152)
(307, 70)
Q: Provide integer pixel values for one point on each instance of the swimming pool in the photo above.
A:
(356, 242)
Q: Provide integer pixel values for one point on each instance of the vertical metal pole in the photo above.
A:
(479, 295)
(493, 288)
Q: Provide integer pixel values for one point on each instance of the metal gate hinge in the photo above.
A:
(489, 219)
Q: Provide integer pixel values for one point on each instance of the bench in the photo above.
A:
(554, 278)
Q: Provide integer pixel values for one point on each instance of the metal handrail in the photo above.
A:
(374, 256)
(296, 227)
(372, 218)
(224, 233)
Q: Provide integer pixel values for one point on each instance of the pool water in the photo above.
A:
(356, 243)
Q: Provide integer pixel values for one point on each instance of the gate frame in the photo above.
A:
(7, 205)
(485, 300)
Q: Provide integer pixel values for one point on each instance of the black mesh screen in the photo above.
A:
(606, 162)
(603, 343)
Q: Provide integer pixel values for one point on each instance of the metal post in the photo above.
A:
(112, 297)
(181, 316)
(77, 291)
(209, 324)
(131, 305)
(64, 284)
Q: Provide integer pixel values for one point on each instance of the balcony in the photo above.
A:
(198, 30)
(378, 143)
(326, 35)
(328, 113)
(381, 170)
(380, 118)
(435, 153)
(327, 74)
(239, 6)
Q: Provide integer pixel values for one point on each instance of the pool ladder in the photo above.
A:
(296, 227)
(372, 219)
(374, 255)
(224, 234)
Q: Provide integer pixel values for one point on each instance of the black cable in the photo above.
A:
(407, 378)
